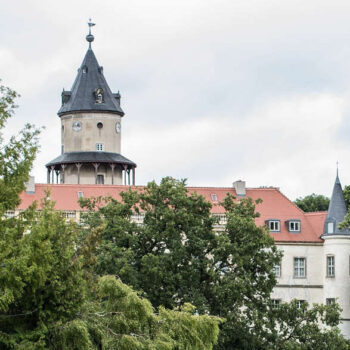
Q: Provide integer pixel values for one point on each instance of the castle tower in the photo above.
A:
(336, 257)
(91, 119)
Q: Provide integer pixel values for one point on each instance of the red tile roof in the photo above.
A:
(274, 206)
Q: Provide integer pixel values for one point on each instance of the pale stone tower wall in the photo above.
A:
(338, 286)
(96, 128)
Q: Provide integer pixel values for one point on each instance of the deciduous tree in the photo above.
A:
(50, 297)
(312, 202)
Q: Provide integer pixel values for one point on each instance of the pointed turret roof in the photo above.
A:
(336, 210)
(88, 85)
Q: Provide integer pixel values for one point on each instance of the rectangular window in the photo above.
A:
(330, 227)
(99, 146)
(80, 194)
(300, 303)
(100, 180)
(330, 266)
(69, 214)
(299, 267)
(277, 270)
(294, 226)
(10, 213)
(214, 197)
(330, 301)
(274, 225)
(275, 303)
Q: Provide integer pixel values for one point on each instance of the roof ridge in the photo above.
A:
(316, 212)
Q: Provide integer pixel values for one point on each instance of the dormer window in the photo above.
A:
(85, 69)
(99, 95)
(273, 225)
(293, 225)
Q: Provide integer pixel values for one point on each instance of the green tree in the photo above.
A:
(297, 327)
(313, 202)
(17, 156)
(175, 257)
(346, 191)
(50, 297)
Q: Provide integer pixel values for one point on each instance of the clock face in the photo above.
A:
(76, 126)
(117, 127)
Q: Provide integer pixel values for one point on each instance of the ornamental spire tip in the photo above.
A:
(90, 38)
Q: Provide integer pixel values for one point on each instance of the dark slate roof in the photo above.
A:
(81, 98)
(91, 157)
(336, 210)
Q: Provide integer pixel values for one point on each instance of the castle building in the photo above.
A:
(91, 119)
(316, 254)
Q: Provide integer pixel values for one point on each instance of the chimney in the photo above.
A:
(239, 186)
(30, 185)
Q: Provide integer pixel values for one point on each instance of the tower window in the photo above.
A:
(99, 146)
(330, 266)
(100, 180)
(330, 227)
(99, 125)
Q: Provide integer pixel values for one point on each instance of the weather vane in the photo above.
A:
(90, 38)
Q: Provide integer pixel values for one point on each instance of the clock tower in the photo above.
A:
(91, 128)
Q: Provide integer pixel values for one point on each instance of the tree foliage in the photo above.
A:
(17, 156)
(313, 202)
(50, 297)
(346, 192)
(175, 257)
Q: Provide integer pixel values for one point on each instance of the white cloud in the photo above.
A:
(213, 90)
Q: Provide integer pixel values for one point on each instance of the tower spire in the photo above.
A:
(90, 38)
(337, 178)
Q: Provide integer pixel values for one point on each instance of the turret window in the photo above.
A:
(330, 227)
(99, 146)
(330, 266)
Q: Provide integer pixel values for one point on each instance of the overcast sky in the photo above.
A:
(213, 90)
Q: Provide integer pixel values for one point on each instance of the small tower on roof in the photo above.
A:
(336, 211)
(336, 250)
(91, 131)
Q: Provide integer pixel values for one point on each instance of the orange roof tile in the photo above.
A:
(274, 205)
